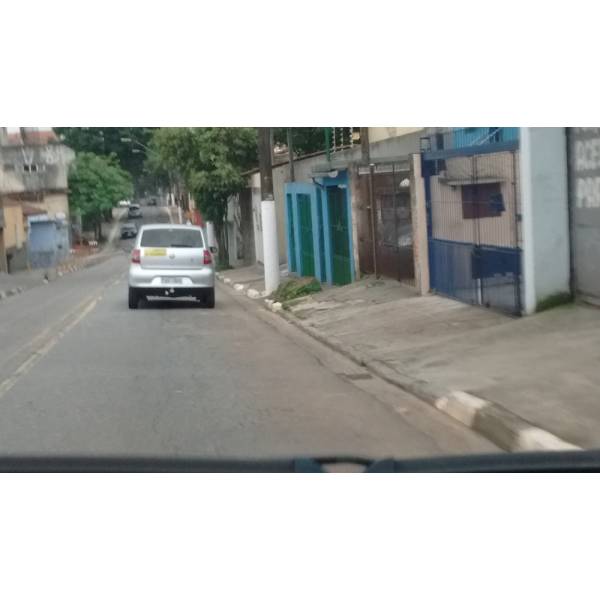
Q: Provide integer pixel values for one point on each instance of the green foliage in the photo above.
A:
(295, 288)
(306, 140)
(96, 184)
(108, 141)
(553, 301)
(210, 160)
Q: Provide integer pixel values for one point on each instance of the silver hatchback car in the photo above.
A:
(171, 261)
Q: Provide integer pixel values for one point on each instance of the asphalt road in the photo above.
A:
(82, 374)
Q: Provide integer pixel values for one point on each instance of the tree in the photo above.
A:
(96, 184)
(131, 154)
(211, 162)
(306, 139)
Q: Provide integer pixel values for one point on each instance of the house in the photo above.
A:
(513, 219)
(514, 215)
(324, 215)
(461, 212)
(33, 189)
(351, 215)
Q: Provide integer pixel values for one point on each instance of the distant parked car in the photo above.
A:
(134, 212)
(124, 203)
(152, 202)
(128, 230)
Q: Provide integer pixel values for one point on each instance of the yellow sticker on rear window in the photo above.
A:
(155, 252)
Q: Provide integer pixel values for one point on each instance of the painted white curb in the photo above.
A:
(461, 406)
(535, 438)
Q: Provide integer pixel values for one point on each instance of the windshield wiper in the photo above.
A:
(181, 246)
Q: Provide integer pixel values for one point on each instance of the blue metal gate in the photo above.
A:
(473, 212)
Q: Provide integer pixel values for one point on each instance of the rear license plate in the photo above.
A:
(171, 280)
(155, 252)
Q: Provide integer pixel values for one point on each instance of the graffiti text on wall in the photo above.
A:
(586, 166)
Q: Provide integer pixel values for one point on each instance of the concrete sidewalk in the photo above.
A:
(528, 383)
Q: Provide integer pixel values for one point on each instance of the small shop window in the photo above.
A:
(482, 200)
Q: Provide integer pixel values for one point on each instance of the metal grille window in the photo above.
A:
(482, 200)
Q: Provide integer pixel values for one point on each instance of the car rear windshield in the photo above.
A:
(172, 238)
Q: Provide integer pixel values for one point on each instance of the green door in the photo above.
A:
(307, 252)
(340, 241)
(292, 237)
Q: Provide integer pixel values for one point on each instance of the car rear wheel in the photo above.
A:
(134, 298)
(209, 298)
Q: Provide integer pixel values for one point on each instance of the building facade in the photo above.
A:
(583, 166)
(33, 189)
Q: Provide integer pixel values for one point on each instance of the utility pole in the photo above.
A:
(269, 220)
(366, 159)
(364, 145)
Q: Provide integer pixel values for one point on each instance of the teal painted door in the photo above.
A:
(339, 234)
(291, 236)
(307, 252)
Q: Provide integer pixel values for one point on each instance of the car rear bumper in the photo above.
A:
(152, 279)
(171, 292)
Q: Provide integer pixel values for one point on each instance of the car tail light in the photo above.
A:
(135, 255)
(207, 258)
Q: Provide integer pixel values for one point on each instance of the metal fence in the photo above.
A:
(386, 187)
(473, 206)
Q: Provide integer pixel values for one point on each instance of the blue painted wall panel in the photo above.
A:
(464, 137)
(42, 244)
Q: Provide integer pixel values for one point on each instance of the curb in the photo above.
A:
(60, 272)
(252, 293)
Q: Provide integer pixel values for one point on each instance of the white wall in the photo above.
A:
(377, 134)
(545, 214)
